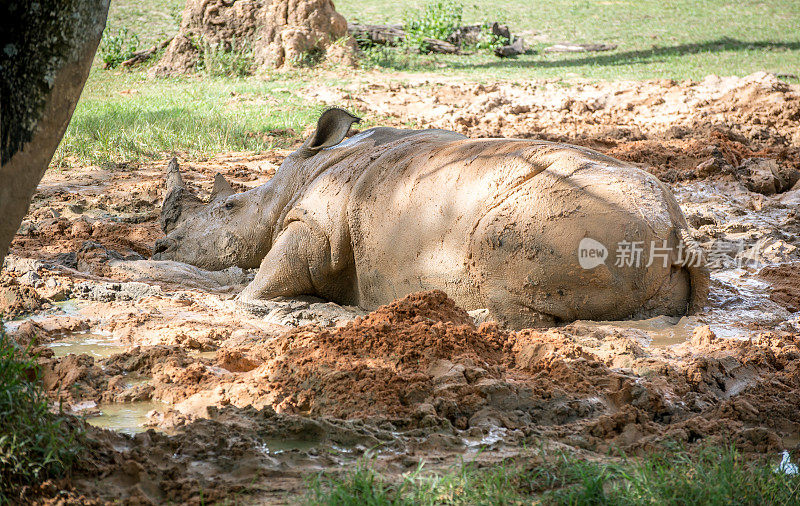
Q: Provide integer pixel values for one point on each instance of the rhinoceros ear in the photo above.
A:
(332, 126)
(174, 179)
(179, 202)
(221, 189)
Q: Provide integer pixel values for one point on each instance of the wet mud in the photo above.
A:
(188, 400)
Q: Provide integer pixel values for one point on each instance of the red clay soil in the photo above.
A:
(785, 281)
(669, 128)
(420, 365)
(380, 364)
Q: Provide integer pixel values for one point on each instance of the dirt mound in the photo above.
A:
(279, 33)
(785, 281)
(420, 363)
(391, 358)
(294, 30)
(596, 387)
(679, 131)
(16, 299)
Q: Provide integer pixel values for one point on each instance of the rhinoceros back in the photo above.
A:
(496, 224)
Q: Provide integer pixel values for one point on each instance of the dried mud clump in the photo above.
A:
(274, 34)
(785, 281)
(16, 299)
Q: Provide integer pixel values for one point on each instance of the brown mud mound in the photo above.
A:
(594, 389)
(420, 363)
(785, 281)
(17, 299)
(385, 363)
(680, 131)
(278, 33)
(414, 380)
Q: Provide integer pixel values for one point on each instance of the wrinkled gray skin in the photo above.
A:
(495, 223)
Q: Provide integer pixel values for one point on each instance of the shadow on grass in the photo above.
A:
(642, 55)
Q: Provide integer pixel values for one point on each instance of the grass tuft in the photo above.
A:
(116, 47)
(711, 475)
(436, 20)
(310, 58)
(219, 60)
(35, 444)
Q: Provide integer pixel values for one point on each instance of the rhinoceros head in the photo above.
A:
(212, 234)
(237, 228)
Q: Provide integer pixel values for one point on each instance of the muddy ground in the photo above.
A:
(246, 407)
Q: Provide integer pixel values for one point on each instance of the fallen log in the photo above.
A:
(384, 35)
(440, 46)
(394, 35)
(142, 56)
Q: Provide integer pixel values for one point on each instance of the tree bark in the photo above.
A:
(46, 50)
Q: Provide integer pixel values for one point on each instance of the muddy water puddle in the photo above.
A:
(661, 331)
(277, 446)
(128, 418)
(204, 354)
(665, 331)
(97, 344)
(69, 307)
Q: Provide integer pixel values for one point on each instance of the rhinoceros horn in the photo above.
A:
(222, 188)
(332, 127)
(179, 202)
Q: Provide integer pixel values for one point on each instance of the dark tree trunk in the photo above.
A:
(46, 49)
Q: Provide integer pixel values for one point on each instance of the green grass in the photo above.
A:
(34, 443)
(129, 117)
(674, 476)
(152, 20)
(196, 116)
(677, 39)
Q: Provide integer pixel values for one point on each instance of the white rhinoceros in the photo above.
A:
(495, 223)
